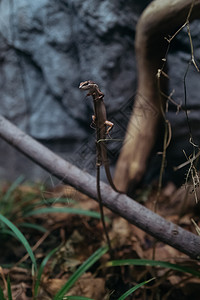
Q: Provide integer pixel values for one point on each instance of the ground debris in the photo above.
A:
(77, 236)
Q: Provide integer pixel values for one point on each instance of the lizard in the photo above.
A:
(103, 127)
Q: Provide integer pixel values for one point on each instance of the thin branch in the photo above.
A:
(120, 204)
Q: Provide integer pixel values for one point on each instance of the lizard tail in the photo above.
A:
(107, 167)
(101, 208)
(110, 180)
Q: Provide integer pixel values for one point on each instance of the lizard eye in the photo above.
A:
(82, 84)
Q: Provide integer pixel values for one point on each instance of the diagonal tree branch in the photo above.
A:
(122, 205)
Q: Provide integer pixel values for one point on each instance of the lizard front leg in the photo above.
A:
(110, 126)
(93, 124)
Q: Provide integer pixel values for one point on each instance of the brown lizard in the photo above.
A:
(103, 126)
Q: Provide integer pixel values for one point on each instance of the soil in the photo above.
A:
(77, 237)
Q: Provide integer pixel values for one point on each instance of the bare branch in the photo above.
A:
(120, 204)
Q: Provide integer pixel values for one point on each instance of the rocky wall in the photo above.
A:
(47, 47)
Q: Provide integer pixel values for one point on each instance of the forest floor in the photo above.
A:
(77, 237)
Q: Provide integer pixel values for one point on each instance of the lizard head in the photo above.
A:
(88, 85)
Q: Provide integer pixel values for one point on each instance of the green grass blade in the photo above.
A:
(153, 263)
(57, 200)
(82, 269)
(69, 210)
(6, 203)
(133, 289)
(76, 298)
(9, 289)
(11, 189)
(33, 226)
(6, 231)
(9, 266)
(46, 202)
(21, 238)
(40, 271)
(1, 294)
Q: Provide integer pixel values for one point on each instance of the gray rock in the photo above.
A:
(48, 47)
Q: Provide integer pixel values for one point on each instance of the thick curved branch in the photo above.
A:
(122, 205)
(161, 19)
